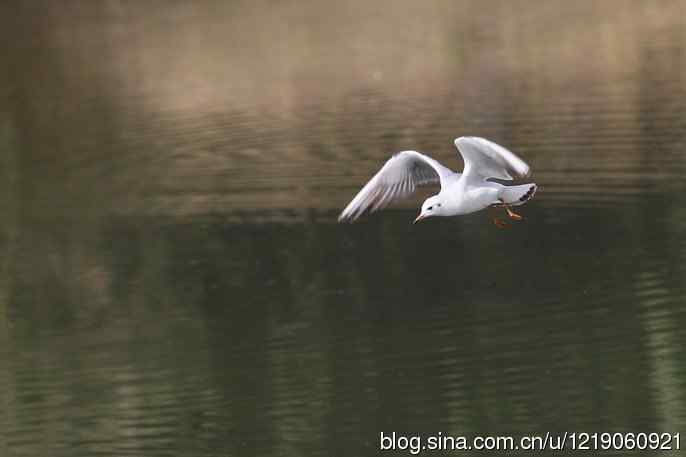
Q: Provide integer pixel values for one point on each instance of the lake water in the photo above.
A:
(173, 279)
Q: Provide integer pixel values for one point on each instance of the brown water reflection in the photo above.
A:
(173, 280)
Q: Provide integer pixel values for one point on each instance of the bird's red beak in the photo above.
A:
(419, 218)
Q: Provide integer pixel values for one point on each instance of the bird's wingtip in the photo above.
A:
(344, 218)
(464, 139)
(524, 171)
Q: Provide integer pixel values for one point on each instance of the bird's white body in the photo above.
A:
(461, 193)
(463, 198)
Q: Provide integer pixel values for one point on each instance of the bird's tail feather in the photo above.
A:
(518, 195)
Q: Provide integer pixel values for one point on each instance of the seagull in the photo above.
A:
(461, 193)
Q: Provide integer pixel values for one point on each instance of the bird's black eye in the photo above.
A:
(438, 204)
(430, 208)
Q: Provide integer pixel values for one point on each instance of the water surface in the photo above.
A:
(173, 280)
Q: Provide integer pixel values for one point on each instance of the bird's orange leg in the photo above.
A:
(513, 215)
(499, 223)
(496, 220)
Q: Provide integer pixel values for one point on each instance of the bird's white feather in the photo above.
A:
(397, 179)
(484, 159)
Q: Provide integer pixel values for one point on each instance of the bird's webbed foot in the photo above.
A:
(513, 215)
(499, 223)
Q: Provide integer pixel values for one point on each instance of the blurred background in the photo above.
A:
(172, 277)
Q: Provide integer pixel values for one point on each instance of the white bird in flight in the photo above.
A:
(461, 193)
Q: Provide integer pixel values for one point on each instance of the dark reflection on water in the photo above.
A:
(172, 279)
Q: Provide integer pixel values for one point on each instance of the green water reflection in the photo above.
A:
(173, 280)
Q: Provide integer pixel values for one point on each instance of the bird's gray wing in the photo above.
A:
(484, 159)
(397, 179)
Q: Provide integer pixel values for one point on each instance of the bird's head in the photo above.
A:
(432, 206)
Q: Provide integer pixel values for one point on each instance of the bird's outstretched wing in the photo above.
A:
(484, 159)
(397, 179)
